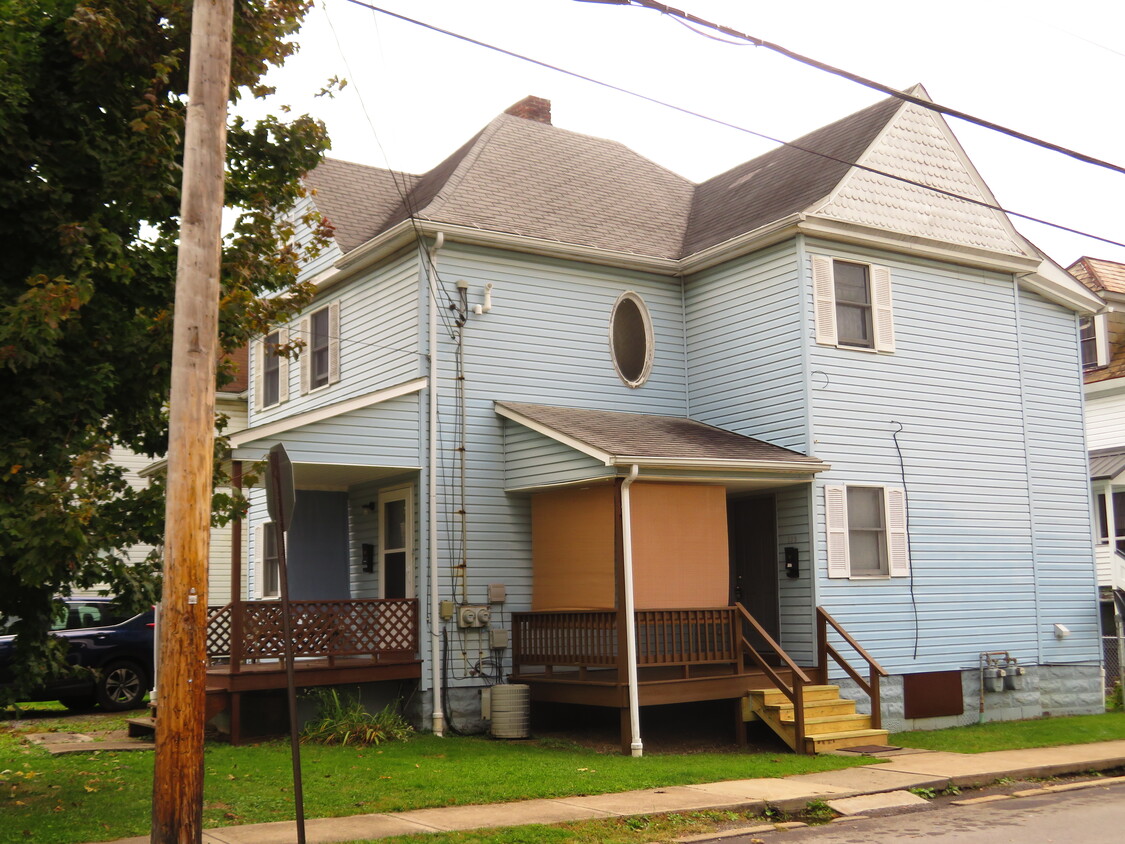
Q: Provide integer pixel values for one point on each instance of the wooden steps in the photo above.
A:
(831, 722)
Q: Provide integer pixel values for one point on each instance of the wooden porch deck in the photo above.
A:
(683, 656)
(333, 643)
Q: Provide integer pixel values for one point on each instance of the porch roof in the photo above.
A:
(1106, 463)
(621, 439)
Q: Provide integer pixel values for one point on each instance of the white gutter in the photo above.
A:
(636, 747)
(438, 721)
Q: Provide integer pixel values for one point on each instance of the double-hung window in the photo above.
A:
(270, 562)
(866, 531)
(321, 358)
(272, 370)
(853, 306)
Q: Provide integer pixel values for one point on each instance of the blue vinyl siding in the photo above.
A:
(379, 337)
(745, 366)
(545, 341)
(952, 392)
(796, 598)
(384, 434)
(531, 459)
(1060, 492)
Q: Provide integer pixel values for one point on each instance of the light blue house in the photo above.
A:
(565, 417)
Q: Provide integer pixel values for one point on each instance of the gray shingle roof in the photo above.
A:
(643, 435)
(1106, 463)
(525, 177)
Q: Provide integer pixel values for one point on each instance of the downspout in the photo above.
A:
(438, 721)
(636, 747)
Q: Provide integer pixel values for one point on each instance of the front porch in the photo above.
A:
(688, 655)
(343, 642)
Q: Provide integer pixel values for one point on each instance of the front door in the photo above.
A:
(396, 537)
(754, 561)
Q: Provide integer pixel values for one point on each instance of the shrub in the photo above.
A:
(1115, 700)
(342, 719)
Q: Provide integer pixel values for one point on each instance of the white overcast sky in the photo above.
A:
(1047, 68)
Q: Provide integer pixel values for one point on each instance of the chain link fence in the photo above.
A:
(1112, 662)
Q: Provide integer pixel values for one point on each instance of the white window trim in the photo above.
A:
(397, 493)
(650, 339)
(333, 349)
(836, 528)
(824, 305)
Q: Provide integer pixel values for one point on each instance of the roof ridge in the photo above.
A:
(475, 148)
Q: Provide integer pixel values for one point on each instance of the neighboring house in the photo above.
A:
(230, 401)
(1103, 361)
(549, 388)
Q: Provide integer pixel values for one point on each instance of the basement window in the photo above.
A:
(631, 339)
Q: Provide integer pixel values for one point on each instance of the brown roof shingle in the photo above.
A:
(644, 435)
(526, 177)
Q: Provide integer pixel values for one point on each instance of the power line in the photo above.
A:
(718, 122)
(679, 14)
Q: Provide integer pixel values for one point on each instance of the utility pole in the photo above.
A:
(177, 792)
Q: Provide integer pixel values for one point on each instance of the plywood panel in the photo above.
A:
(680, 554)
(572, 549)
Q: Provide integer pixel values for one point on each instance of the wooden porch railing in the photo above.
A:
(253, 630)
(588, 638)
(794, 691)
(874, 670)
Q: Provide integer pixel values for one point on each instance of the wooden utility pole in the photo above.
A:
(177, 792)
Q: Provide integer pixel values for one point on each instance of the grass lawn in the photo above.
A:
(100, 796)
(1013, 735)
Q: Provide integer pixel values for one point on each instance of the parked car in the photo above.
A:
(116, 645)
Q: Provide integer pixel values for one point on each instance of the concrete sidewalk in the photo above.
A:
(904, 769)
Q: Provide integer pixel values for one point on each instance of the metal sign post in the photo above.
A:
(280, 499)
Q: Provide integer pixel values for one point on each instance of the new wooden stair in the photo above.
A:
(831, 722)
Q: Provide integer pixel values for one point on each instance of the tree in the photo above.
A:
(92, 111)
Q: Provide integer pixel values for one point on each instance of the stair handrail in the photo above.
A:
(796, 692)
(874, 669)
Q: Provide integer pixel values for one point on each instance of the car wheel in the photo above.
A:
(78, 703)
(122, 685)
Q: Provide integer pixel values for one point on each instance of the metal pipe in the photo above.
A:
(636, 747)
(438, 718)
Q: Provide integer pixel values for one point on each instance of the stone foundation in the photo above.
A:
(1046, 690)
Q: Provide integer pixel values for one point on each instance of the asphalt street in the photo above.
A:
(1090, 816)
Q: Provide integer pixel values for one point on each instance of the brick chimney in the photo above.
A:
(532, 108)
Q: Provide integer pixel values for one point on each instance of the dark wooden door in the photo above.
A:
(754, 559)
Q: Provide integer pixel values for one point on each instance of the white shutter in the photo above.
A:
(898, 547)
(836, 523)
(824, 300)
(1101, 339)
(881, 310)
(333, 342)
(306, 354)
(282, 367)
(259, 372)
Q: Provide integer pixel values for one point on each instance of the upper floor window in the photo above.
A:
(271, 385)
(853, 304)
(631, 339)
(1093, 341)
(320, 361)
(866, 528)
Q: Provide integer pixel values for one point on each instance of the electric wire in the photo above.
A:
(679, 14)
(726, 124)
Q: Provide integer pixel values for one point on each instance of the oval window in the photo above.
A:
(630, 337)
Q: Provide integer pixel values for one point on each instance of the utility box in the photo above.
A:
(498, 637)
